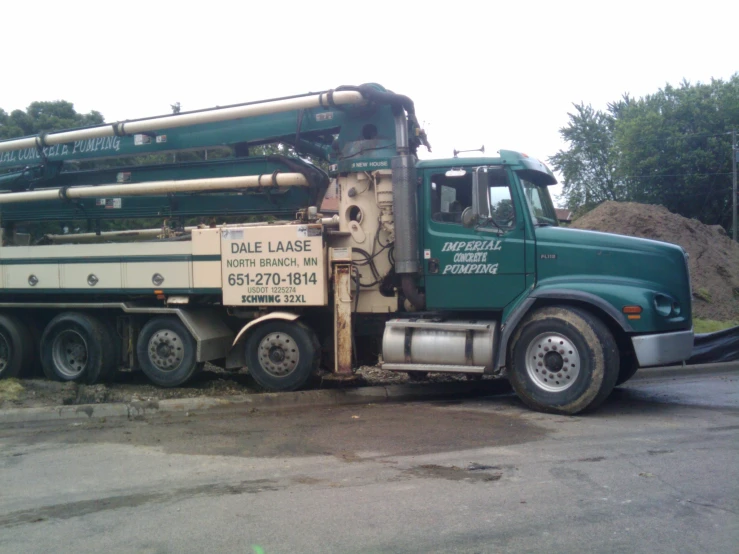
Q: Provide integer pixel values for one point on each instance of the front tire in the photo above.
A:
(281, 355)
(564, 360)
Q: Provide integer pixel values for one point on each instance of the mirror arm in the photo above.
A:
(483, 221)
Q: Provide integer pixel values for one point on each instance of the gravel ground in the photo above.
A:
(212, 382)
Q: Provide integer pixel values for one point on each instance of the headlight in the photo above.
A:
(663, 305)
(666, 306)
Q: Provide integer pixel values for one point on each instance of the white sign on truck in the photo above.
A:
(273, 266)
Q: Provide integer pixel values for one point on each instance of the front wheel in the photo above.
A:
(281, 355)
(564, 360)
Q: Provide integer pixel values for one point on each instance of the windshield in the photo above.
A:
(539, 202)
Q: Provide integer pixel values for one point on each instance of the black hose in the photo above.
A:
(397, 101)
(383, 97)
(369, 260)
(316, 177)
(410, 291)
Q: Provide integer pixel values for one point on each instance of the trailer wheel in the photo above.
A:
(564, 360)
(75, 347)
(167, 352)
(16, 347)
(281, 355)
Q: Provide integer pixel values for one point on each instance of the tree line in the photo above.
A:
(672, 148)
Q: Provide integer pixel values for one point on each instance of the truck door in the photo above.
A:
(478, 263)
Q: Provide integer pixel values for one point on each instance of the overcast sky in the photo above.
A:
(502, 74)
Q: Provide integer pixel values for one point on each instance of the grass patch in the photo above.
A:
(703, 294)
(10, 389)
(711, 325)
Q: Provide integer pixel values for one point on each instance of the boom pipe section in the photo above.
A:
(159, 187)
(328, 99)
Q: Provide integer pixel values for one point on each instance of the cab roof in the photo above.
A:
(516, 160)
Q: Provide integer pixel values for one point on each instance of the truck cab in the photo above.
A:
(492, 249)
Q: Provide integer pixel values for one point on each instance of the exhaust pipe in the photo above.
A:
(406, 218)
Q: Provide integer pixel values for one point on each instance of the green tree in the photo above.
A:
(588, 167)
(675, 149)
(671, 148)
(45, 116)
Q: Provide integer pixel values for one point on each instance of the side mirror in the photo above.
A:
(480, 188)
(469, 217)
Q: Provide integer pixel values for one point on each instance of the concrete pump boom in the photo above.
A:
(140, 126)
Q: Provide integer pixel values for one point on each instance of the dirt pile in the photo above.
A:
(714, 257)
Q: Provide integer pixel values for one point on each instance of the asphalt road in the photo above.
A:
(655, 470)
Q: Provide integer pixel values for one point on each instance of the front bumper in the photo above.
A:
(664, 348)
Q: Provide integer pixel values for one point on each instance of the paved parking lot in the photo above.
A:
(656, 469)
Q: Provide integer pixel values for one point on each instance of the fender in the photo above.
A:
(555, 294)
(287, 316)
(236, 357)
(586, 298)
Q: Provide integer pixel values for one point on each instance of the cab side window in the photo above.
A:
(499, 213)
(449, 197)
(502, 211)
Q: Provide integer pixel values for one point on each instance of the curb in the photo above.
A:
(274, 400)
(323, 397)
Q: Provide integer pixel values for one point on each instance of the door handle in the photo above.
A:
(433, 265)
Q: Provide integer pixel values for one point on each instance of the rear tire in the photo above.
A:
(75, 347)
(167, 352)
(564, 360)
(16, 347)
(281, 355)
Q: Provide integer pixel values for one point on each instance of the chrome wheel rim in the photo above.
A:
(69, 352)
(278, 354)
(552, 362)
(4, 352)
(166, 350)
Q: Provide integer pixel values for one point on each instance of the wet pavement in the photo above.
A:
(656, 468)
